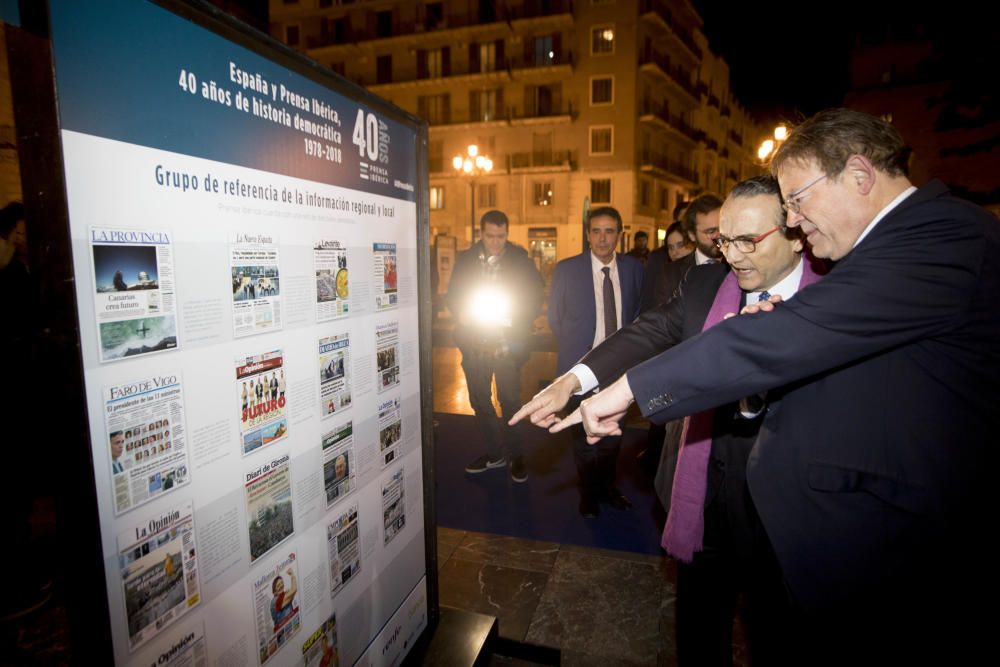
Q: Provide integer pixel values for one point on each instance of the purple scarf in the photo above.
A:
(685, 529)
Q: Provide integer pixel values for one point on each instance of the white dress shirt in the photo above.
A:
(598, 274)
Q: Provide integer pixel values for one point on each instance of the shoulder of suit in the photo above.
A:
(515, 251)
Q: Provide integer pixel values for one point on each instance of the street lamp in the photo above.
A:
(472, 164)
(769, 146)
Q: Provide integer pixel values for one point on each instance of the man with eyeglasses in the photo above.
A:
(714, 531)
(874, 470)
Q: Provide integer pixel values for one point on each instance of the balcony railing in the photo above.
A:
(541, 159)
(563, 57)
(531, 9)
(540, 110)
(678, 75)
(648, 158)
(661, 111)
(662, 9)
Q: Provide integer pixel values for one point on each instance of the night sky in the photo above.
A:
(789, 60)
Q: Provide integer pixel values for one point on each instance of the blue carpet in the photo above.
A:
(544, 507)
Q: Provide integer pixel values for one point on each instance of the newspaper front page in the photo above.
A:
(276, 606)
(338, 463)
(320, 649)
(343, 540)
(134, 300)
(269, 506)
(386, 356)
(334, 374)
(184, 650)
(390, 429)
(393, 507)
(256, 287)
(260, 390)
(159, 572)
(332, 285)
(146, 437)
(385, 281)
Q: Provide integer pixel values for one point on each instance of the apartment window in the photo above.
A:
(340, 30)
(485, 56)
(543, 193)
(292, 35)
(644, 192)
(323, 4)
(383, 23)
(437, 197)
(435, 156)
(383, 69)
(602, 90)
(543, 52)
(433, 63)
(602, 40)
(484, 105)
(541, 149)
(486, 194)
(542, 100)
(434, 16)
(600, 191)
(602, 140)
(664, 193)
(435, 109)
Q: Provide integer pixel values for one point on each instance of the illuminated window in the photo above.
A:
(602, 40)
(543, 193)
(437, 198)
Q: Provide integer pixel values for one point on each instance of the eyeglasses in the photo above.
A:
(745, 244)
(793, 202)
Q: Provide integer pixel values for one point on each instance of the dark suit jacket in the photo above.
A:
(877, 453)
(572, 304)
(662, 277)
(663, 327)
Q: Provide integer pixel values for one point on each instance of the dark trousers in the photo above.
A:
(596, 464)
(480, 369)
(737, 560)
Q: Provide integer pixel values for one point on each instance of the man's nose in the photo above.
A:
(793, 218)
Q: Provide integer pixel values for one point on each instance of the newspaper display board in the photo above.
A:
(252, 213)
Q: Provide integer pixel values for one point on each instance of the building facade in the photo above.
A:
(578, 104)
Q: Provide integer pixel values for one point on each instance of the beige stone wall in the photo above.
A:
(10, 176)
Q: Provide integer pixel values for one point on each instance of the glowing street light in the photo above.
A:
(769, 146)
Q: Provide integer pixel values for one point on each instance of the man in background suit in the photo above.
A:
(873, 471)
(593, 294)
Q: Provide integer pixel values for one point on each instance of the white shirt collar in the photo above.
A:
(597, 264)
(786, 287)
(884, 212)
(701, 258)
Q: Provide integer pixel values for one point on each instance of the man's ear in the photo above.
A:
(861, 173)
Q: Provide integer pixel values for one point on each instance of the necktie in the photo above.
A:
(763, 296)
(610, 316)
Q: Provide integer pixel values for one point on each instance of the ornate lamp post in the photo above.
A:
(472, 164)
